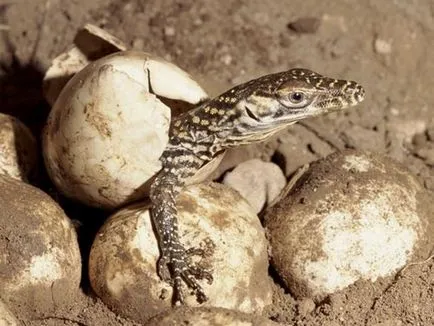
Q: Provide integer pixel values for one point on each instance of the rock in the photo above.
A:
(169, 31)
(238, 155)
(364, 139)
(299, 146)
(401, 132)
(306, 306)
(306, 25)
(257, 181)
(382, 46)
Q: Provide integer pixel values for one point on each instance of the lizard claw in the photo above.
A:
(190, 275)
(178, 296)
(177, 268)
(201, 274)
(195, 251)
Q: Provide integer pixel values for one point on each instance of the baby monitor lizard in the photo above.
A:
(247, 113)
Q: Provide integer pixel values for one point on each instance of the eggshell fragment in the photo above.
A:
(90, 43)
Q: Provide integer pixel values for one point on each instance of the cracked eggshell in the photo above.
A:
(90, 43)
(208, 316)
(352, 216)
(108, 129)
(39, 254)
(122, 266)
(18, 149)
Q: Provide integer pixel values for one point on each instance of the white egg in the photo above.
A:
(108, 127)
(213, 217)
(39, 257)
(352, 216)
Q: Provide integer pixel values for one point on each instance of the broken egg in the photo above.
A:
(109, 126)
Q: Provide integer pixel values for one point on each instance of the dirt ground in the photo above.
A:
(385, 45)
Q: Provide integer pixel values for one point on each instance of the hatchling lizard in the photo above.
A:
(247, 113)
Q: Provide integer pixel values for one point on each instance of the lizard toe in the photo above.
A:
(163, 269)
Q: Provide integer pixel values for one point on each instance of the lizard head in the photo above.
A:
(313, 93)
(285, 98)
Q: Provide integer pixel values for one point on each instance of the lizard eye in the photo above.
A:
(296, 97)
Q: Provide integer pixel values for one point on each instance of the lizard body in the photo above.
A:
(247, 113)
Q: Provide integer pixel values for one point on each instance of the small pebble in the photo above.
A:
(382, 46)
(257, 181)
(198, 22)
(305, 306)
(364, 139)
(128, 7)
(394, 112)
(169, 31)
(404, 130)
(305, 25)
(226, 59)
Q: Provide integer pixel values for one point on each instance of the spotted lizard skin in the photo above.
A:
(247, 113)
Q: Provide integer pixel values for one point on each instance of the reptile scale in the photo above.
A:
(247, 113)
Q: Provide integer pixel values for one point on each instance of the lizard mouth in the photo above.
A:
(251, 115)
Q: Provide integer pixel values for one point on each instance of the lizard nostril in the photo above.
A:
(360, 93)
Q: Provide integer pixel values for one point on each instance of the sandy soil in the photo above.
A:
(385, 45)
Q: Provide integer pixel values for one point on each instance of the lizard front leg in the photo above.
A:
(174, 264)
